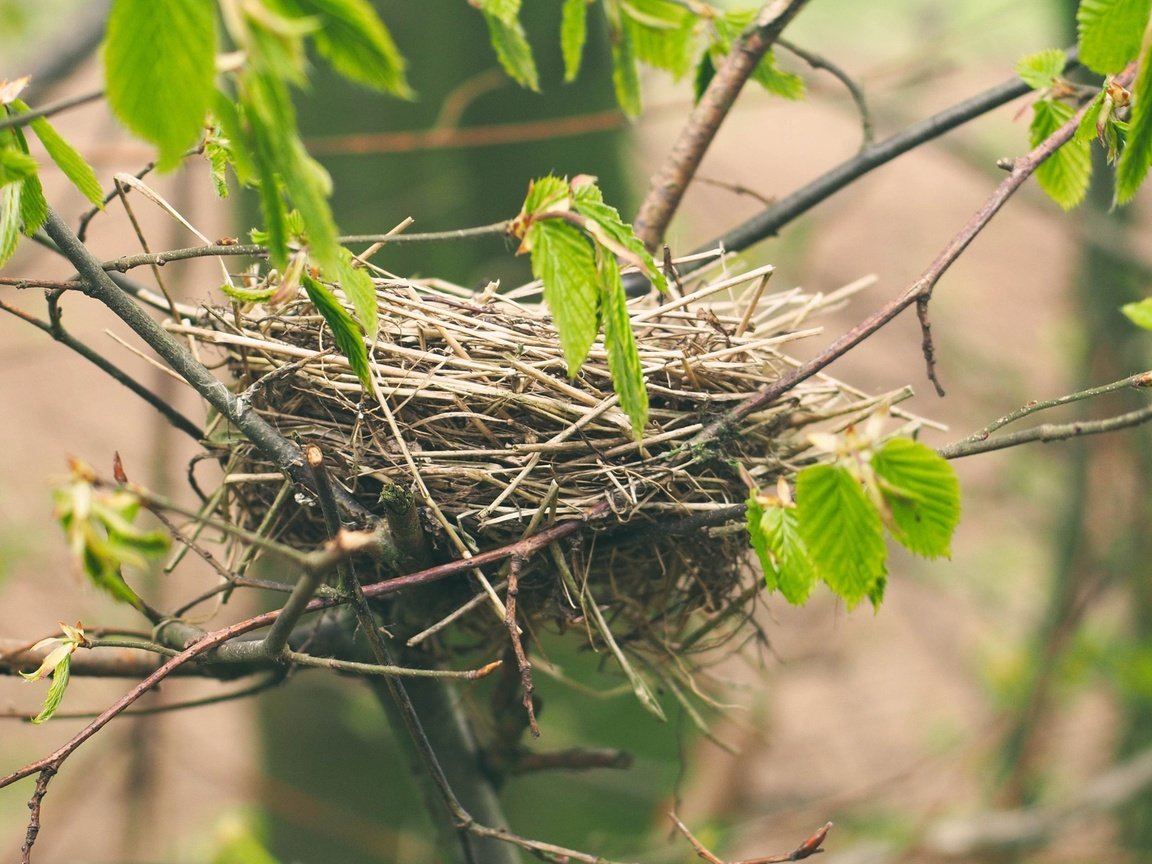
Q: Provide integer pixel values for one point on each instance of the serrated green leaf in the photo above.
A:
(776, 81)
(360, 290)
(775, 535)
(562, 258)
(509, 41)
(588, 201)
(56, 690)
(10, 194)
(546, 193)
(1140, 313)
(1038, 70)
(67, 158)
(1135, 159)
(344, 329)
(662, 34)
(1066, 173)
(351, 36)
(625, 76)
(160, 65)
(33, 206)
(1110, 32)
(842, 531)
(573, 35)
(1087, 132)
(923, 496)
(15, 165)
(620, 343)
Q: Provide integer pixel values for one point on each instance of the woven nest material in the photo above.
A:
(473, 413)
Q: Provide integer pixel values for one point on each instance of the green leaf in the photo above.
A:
(1110, 32)
(55, 696)
(33, 206)
(775, 533)
(360, 291)
(1066, 173)
(923, 496)
(842, 531)
(620, 343)
(573, 35)
(625, 76)
(588, 201)
(562, 258)
(509, 40)
(1038, 70)
(10, 195)
(662, 34)
(67, 159)
(159, 61)
(1132, 167)
(355, 41)
(705, 72)
(1140, 313)
(776, 81)
(15, 165)
(344, 329)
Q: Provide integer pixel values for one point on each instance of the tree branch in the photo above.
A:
(670, 182)
(919, 292)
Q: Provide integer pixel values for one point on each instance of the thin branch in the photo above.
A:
(352, 667)
(768, 222)
(1046, 433)
(26, 117)
(286, 455)
(178, 420)
(918, 292)
(670, 182)
(818, 61)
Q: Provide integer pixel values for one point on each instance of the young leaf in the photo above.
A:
(842, 531)
(1140, 313)
(355, 41)
(60, 676)
(922, 494)
(360, 290)
(1038, 70)
(1132, 166)
(662, 34)
(159, 60)
(614, 233)
(344, 330)
(33, 206)
(562, 258)
(1066, 173)
(775, 533)
(1110, 32)
(10, 195)
(509, 40)
(625, 76)
(620, 343)
(67, 159)
(573, 35)
(776, 81)
(15, 165)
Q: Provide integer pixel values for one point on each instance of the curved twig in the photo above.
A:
(818, 61)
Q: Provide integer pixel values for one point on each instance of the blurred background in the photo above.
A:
(1016, 675)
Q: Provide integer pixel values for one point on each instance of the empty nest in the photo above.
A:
(473, 414)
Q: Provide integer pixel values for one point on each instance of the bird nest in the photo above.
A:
(473, 416)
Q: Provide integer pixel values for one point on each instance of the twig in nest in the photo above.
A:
(807, 849)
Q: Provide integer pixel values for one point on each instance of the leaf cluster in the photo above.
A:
(1112, 34)
(834, 530)
(576, 242)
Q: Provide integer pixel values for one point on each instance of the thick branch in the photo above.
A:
(668, 186)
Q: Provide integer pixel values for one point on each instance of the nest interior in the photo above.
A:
(473, 414)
